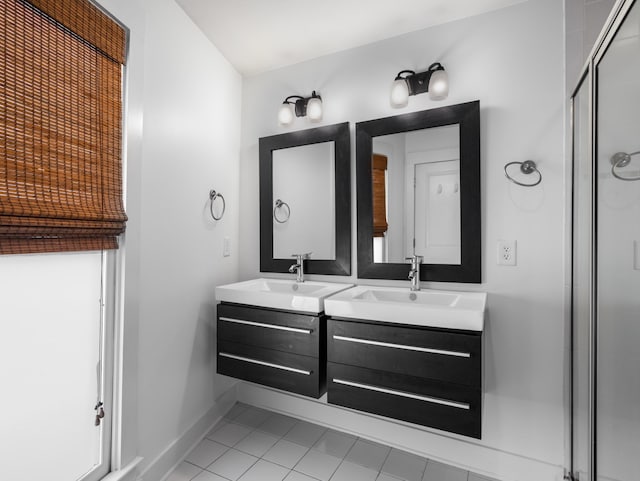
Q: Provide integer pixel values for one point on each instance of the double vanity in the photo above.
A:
(414, 356)
(410, 355)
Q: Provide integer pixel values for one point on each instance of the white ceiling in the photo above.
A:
(260, 35)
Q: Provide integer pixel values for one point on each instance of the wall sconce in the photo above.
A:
(434, 80)
(302, 106)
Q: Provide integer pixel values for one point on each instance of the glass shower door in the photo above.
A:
(581, 340)
(617, 227)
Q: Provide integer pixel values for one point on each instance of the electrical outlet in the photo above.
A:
(226, 247)
(507, 253)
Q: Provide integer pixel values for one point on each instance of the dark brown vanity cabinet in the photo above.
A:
(426, 376)
(281, 349)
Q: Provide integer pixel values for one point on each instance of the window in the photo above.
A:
(60, 124)
(378, 181)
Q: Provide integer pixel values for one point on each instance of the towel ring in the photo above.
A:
(527, 167)
(279, 205)
(622, 159)
(213, 195)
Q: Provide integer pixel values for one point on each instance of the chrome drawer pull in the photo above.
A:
(268, 326)
(268, 364)
(428, 399)
(402, 346)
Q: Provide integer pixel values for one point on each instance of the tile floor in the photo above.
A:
(251, 444)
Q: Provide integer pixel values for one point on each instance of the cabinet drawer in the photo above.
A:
(420, 352)
(427, 402)
(282, 331)
(290, 372)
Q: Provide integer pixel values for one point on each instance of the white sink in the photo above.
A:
(286, 294)
(445, 309)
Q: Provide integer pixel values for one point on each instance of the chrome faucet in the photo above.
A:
(298, 267)
(414, 272)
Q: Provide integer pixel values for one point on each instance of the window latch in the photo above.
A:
(99, 409)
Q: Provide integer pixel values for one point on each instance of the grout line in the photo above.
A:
(288, 430)
(384, 462)
(304, 474)
(198, 474)
(336, 470)
(425, 469)
(193, 464)
(298, 462)
(244, 472)
(192, 477)
(216, 474)
(351, 449)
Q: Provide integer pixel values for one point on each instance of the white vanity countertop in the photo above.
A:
(285, 294)
(427, 307)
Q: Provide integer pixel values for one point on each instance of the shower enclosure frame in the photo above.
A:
(588, 78)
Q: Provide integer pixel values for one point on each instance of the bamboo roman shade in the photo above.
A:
(379, 191)
(60, 127)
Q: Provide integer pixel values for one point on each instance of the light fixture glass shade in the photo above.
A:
(399, 93)
(439, 85)
(314, 109)
(285, 114)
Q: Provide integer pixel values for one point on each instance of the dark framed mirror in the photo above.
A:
(418, 193)
(305, 200)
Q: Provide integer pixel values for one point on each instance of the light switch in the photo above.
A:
(226, 247)
(636, 255)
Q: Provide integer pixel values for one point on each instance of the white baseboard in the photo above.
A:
(128, 473)
(453, 450)
(176, 451)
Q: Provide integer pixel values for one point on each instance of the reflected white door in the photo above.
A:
(50, 351)
(437, 206)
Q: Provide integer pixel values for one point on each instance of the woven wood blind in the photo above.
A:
(60, 127)
(379, 190)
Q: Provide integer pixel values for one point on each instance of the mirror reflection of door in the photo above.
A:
(436, 186)
(422, 196)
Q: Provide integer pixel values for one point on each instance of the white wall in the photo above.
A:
(304, 178)
(190, 145)
(512, 61)
(183, 137)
